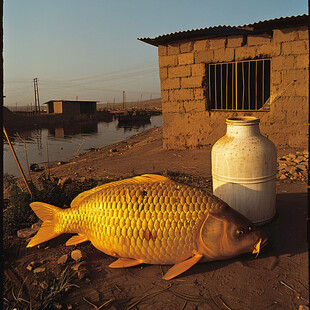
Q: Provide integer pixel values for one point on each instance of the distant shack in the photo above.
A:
(68, 107)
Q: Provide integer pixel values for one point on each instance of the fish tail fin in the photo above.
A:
(46, 213)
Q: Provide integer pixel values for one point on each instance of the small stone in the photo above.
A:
(76, 255)
(57, 305)
(77, 266)
(69, 307)
(39, 269)
(301, 167)
(33, 265)
(291, 169)
(43, 285)
(26, 233)
(63, 181)
(82, 179)
(63, 259)
(283, 177)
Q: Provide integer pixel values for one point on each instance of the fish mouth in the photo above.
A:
(259, 245)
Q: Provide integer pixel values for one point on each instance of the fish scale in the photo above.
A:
(151, 219)
(133, 222)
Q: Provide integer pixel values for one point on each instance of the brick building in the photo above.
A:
(68, 107)
(209, 74)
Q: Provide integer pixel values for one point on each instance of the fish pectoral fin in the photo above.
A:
(126, 262)
(77, 239)
(182, 267)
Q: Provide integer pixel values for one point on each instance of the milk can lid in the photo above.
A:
(242, 120)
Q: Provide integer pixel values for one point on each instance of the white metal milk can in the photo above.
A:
(244, 166)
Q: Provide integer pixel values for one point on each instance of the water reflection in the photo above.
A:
(68, 130)
(65, 141)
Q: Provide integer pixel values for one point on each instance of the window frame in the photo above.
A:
(234, 85)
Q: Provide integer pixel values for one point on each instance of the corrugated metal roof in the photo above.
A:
(222, 30)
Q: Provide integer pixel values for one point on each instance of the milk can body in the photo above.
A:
(244, 166)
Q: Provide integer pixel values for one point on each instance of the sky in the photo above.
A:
(88, 49)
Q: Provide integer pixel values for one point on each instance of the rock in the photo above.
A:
(78, 266)
(76, 255)
(82, 179)
(39, 269)
(283, 177)
(63, 259)
(302, 167)
(57, 305)
(63, 181)
(27, 232)
(33, 265)
(43, 285)
(291, 169)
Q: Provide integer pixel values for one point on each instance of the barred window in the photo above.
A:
(242, 85)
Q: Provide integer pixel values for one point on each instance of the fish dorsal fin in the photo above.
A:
(143, 179)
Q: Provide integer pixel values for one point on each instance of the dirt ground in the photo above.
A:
(277, 279)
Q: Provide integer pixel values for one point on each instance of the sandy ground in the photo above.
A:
(277, 279)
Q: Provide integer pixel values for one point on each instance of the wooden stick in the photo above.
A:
(17, 161)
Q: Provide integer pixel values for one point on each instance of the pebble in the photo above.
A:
(76, 255)
(39, 269)
(63, 259)
(77, 266)
(43, 285)
(293, 166)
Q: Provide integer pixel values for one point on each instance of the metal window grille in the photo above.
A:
(241, 85)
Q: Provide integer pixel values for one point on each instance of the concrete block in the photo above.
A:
(194, 106)
(180, 71)
(163, 73)
(258, 39)
(181, 94)
(285, 35)
(171, 83)
(168, 61)
(199, 93)
(298, 75)
(224, 55)
(217, 43)
(186, 47)
(303, 33)
(295, 47)
(276, 77)
(186, 59)
(302, 61)
(198, 69)
(164, 95)
(173, 49)
(193, 81)
(162, 50)
(234, 41)
(173, 107)
(283, 62)
(245, 52)
(200, 45)
(204, 56)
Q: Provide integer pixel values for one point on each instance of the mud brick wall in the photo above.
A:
(188, 123)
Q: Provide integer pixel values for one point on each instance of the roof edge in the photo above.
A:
(223, 31)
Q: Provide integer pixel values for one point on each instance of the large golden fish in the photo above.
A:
(151, 219)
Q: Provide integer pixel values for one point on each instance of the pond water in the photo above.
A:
(62, 143)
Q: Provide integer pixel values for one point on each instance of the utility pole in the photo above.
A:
(124, 100)
(36, 96)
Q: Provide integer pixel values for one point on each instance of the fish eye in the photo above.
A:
(240, 231)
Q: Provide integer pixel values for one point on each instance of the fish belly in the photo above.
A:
(157, 223)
